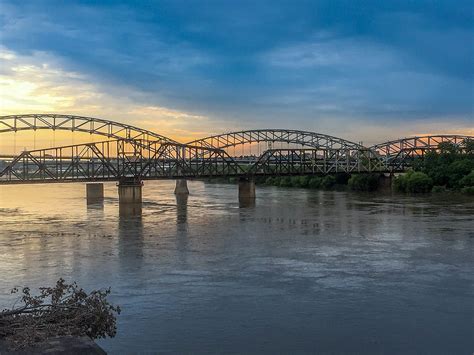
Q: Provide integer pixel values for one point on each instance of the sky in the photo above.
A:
(361, 70)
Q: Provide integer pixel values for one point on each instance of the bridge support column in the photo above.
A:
(181, 187)
(130, 191)
(385, 182)
(94, 193)
(246, 188)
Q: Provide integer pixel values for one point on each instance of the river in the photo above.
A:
(302, 271)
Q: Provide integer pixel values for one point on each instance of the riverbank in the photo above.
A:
(58, 345)
(410, 182)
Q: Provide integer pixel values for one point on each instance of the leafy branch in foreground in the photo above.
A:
(64, 309)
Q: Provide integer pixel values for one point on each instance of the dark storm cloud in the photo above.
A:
(265, 60)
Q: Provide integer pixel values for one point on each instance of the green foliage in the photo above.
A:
(458, 169)
(419, 182)
(400, 182)
(438, 189)
(448, 166)
(363, 182)
(468, 190)
(447, 148)
(468, 180)
(413, 181)
(304, 181)
(468, 146)
(295, 181)
(328, 181)
(315, 182)
(285, 181)
(270, 181)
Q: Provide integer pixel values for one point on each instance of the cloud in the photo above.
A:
(327, 50)
(190, 69)
(37, 84)
(363, 79)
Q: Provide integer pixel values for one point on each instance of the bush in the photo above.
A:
(468, 180)
(468, 190)
(270, 181)
(285, 181)
(438, 189)
(295, 181)
(400, 182)
(419, 182)
(315, 182)
(363, 182)
(458, 169)
(304, 181)
(413, 182)
(328, 181)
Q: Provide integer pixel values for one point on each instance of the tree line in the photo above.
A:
(449, 168)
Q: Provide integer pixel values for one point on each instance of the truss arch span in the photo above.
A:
(304, 139)
(418, 144)
(92, 125)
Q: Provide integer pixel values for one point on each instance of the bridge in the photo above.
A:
(130, 155)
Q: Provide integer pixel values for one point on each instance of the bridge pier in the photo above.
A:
(181, 187)
(385, 182)
(130, 191)
(246, 189)
(94, 193)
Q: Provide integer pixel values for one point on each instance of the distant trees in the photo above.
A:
(450, 167)
(363, 182)
(467, 183)
(413, 181)
(311, 182)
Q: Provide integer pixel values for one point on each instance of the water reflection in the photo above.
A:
(97, 205)
(246, 202)
(130, 209)
(130, 242)
(181, 209)
(297, 268)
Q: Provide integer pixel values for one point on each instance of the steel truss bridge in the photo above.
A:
(134, 153)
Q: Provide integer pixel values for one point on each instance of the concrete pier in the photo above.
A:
(94, 193)
(246, 189)
(385, 182)
(130, 191)
(181, 187)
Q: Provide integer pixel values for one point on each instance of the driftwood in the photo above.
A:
(62, 310)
